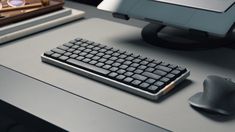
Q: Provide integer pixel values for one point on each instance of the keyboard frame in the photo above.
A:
(115, 83)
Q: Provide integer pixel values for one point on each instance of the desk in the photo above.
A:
(173, 112)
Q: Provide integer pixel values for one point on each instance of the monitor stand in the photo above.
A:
(180, 39)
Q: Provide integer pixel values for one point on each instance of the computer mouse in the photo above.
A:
(218, 96)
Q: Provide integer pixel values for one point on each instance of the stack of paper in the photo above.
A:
(30, 26)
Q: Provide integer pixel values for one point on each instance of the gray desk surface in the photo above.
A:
(172, 113)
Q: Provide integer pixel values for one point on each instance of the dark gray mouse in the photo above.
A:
(218, 96)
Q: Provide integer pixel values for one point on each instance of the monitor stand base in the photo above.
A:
(174, 38)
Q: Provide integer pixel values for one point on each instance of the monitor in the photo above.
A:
(214, 18)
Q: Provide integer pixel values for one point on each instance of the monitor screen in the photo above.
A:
(212, 5)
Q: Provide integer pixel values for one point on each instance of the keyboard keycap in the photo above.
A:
(135, 65)
(144, 62)
(109, 52)
(55, 55)
(88, 66)
(127, 53)
(165, 80)
(144, 85)
(86, 60)
(75, 46)
(81, 48)
(113, 74)
(80, 58)
(87, 50)
(120, 60)
(113, 58)
(151, 75)
(67, 54)
(107, 66)
(93, 62)
(160, 73)
(109, 62)
(138, 71)
(142, 67)
(113, 69)
(116, 64)
(96, 58)
(164, 64)
(134, 55)
(100, 54)
(128, 79)
(96, 48)
(150, 69)
(181, 69)
(159, 84)
(122, 56)
(128, 74)
(83, 54)
(171, 76)
(63, 58)
(123, 66)
(130, 69)
(139, 77)
(172, 66)
(129, 58)
(93, 52)
(78, 43)
(157, 62)
(78, 39)
(121, 71)
(115, 54)
(175, 72)
(76, 51)
(106, 56)
(153, 89)
(136, 82)
(59, 51)
(163, 68)
(89, 56)
(142, 58)
(48, 53)
(100, 64)
(102, 60)
(73, 56)
(136, 60)
(150, 81)
(127, 62)
(120, 77)
(149, 60)
(152, 64)
(63, 47)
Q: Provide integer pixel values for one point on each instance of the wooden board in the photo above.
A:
(19, 15)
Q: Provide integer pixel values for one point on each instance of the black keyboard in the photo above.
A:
(139, 75)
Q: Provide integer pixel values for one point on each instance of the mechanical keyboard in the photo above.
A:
(143, 76)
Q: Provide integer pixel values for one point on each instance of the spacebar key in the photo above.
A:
(87, 66)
